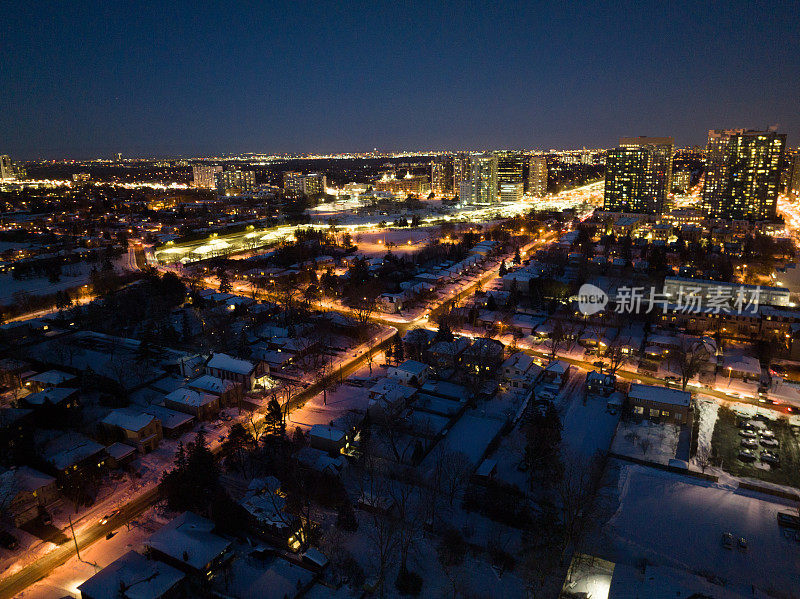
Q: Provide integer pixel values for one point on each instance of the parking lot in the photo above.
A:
(757, 447)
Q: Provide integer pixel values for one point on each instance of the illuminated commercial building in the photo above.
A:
(204, 175)
(537, 176)
(509, 167)
(639, 175)
(235, 182)
(417, 185)
(511, 192)
(742, 174)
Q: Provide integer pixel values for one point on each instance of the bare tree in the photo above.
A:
(576, 490)
(615, 355)
(689, 358)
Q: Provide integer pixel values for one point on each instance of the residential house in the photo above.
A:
(25, 492)
(520, 371)
(242, 372)
(484, 355)
(189, 544)
(600, 383)
(134, 427)
(410, 372)
(134, 576)
(203, 406)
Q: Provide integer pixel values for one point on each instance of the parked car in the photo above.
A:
(751, 443)
(727, 540)
(748, 433)
(771, 458)
(742, 543)
(8, 540)
(769, 442)
(747, 455)
(767, 433)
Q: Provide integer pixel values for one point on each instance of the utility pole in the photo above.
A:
(74, 538)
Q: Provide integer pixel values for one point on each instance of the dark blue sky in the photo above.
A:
(79, 79)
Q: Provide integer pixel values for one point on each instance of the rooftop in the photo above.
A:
(660, 394)
(132, 576)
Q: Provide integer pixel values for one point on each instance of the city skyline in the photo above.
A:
(97, 81)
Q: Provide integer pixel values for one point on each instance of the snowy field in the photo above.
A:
(677, 522)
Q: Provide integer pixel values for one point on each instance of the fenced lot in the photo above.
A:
(731, 430)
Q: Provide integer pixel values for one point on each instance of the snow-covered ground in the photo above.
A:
(72, 275)
(587, 428)
(676, 521)
(341, 400)
(707, 409)
(646, 440)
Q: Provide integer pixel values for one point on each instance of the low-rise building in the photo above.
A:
(660, 403)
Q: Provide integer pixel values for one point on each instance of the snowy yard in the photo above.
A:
(675, 521)
(646, 440)
(340, 401)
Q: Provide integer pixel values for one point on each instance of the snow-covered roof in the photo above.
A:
(128, 419)
(22, 479)
(329, 433)
(54, 395)
(231, 364)
(741, 363)
(189, 539)
(119, 451)
(663, 395)
(557, 366)
(211, 384)
(51, 377)
(169, 418)
(135, 576)
(190, 397)
(70, 448)
(413, 367)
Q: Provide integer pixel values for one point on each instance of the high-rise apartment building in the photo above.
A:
(204, 175)
(461, 173)
(482, 188)
(442, 175)
(537, 176)
(639, 175)
(314, 184)
(794, 183)
(235, 182)
(742, 173)
(310, 184)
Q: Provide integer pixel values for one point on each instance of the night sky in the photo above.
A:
(80, 80)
